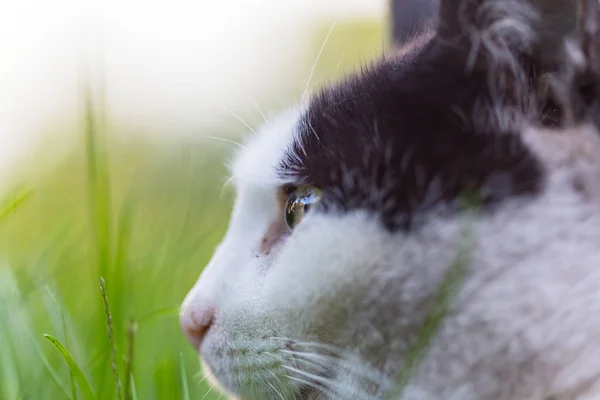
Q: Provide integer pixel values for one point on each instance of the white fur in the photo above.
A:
(257, 165)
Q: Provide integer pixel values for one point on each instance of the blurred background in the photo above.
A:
(112, 164)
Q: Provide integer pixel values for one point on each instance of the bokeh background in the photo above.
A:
(115, 122)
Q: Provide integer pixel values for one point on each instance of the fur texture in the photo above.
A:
(334, 307)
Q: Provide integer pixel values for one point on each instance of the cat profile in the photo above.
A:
(470, 152)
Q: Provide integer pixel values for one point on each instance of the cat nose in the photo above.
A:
(195, 323)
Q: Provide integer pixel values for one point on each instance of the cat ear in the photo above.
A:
(532, 26)
(513, 21)
(557, 38)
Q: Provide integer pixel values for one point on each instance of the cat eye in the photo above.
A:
(299, 201)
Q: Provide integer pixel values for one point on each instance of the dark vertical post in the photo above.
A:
(410, 16)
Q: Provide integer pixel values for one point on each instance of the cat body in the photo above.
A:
(465, 157)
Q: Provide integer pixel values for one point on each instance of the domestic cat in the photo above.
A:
(458, 178)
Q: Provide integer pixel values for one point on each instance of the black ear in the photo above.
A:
(534, 27)
(553, 41)
(410, 17)
(473, 20)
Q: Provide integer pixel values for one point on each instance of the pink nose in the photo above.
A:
(195, 324)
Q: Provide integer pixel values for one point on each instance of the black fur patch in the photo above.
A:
(399, 139)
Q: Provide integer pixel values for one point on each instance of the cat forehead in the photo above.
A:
(257, 161)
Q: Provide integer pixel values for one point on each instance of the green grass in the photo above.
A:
(147, 232)
(145, 217)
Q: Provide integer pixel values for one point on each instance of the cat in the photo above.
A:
(428, 228)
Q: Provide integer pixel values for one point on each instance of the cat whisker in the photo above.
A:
(314, 360)
(226, 140)
(314, 67)
(330, 386)
(309, 375)
(310, 384)
(257, 107)
(247, 125)
(314, 377)
(341, 61)
(276, 377)
(280, 338)
(208, 392)
(314, 131)
(227, 182)
(320, 346)
(275, 390)
(302, 343)
(356, 367)
(200, 377)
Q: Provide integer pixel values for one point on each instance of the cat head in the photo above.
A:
(350, 208)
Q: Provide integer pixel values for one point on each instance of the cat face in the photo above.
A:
(352, 208)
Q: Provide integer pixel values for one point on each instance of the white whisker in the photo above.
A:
(257, 107)
(304, 354)
(314, 131)
(341, 61)
(311, 364)
(314, 377)
(227, 182)
(208, 392)
(276, 391)
(276, 377)
(226, 140)
(310, 357)
(334, 359)
(330, 385)
(323, 346)
(314, 67)
(355, 367)
(280, 338)
(241, 120)
(201, 377)
(310, 384)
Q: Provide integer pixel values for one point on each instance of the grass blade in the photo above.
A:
(111, 339)
(129, 360)
(133, 391)
(14, 204)
(84, 385)
(99, 187)
(51, 372)
(184, 380)
(66, 340)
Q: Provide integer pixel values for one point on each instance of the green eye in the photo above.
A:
(298, 203)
